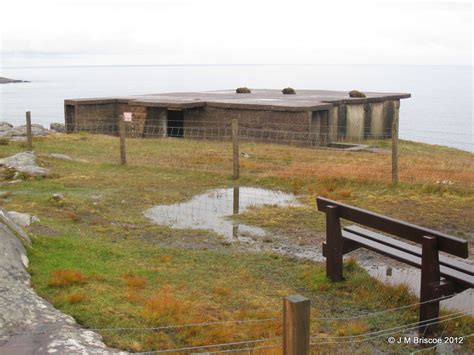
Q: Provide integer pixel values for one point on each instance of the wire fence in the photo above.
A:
(279, 150)
(401, 337)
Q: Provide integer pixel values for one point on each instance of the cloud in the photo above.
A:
(211, 31)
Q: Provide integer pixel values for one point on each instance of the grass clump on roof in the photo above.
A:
(243, 90)
(288, 91)
(356, 93)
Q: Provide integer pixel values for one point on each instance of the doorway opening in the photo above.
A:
(175, 123)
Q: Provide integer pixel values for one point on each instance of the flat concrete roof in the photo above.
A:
(259, 99)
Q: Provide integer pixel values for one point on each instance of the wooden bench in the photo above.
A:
(441, 276)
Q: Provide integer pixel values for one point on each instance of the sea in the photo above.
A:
(439, 111)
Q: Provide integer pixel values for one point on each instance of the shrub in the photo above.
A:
(62, 277)
(73, 216)
(4, 141)
(243, 90)
(134, 281)
(163, 307)
(356, 93)
(288, 91)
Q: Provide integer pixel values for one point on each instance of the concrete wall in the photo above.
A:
(94, 117)
(341, 122)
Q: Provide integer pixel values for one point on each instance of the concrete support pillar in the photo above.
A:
(333, 119)
(377, 119)
(355, 122)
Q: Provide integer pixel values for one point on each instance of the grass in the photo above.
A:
(97, 258)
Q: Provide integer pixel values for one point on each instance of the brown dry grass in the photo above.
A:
(62, 277)
(134, 280)
(76, 297)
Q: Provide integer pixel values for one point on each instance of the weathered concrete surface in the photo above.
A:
(28, 323)
(264, 99)
(25, 163)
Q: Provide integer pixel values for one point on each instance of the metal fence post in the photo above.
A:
(395, 151)
(29, 135)
(235, 148)
(296, 319)
(123, 156)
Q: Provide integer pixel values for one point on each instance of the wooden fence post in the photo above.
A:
(296, 319)
(29, 135)
(122, 131)
(395, 150)
(235, 148)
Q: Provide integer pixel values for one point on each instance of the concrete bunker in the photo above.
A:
(314, 117)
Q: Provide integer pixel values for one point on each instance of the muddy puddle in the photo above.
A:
(211, 211)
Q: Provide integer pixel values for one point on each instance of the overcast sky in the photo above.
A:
(88, 32)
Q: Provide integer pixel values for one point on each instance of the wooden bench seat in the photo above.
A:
(441, 276)
(411, 249)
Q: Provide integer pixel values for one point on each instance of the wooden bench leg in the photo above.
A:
(430, 279)
(334, 245)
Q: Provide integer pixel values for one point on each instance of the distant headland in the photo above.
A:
(9, 81)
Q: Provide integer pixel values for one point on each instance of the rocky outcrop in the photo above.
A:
(24, 163)
(57, 127)
(28, 323)
(5, 127)
(22, 219)
(19, 133)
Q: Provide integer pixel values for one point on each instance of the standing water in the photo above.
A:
(211, 211)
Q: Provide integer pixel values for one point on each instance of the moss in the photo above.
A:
(356, 93)
(243, 90)
(288, 91)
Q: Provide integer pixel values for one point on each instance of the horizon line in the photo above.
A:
(225, 65)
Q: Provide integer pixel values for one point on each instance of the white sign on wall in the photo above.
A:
(127, 116)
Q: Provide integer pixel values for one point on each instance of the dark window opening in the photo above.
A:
(175, 123)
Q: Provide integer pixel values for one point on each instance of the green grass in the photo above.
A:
(136, 274)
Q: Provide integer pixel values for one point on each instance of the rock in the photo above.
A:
(22, 219)
(5, 126)
(36, 130)
(28, 323)
(24, 163)
(57, 197)
(61, 157)
(57, 127)
(6, 134)
(244, 155)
